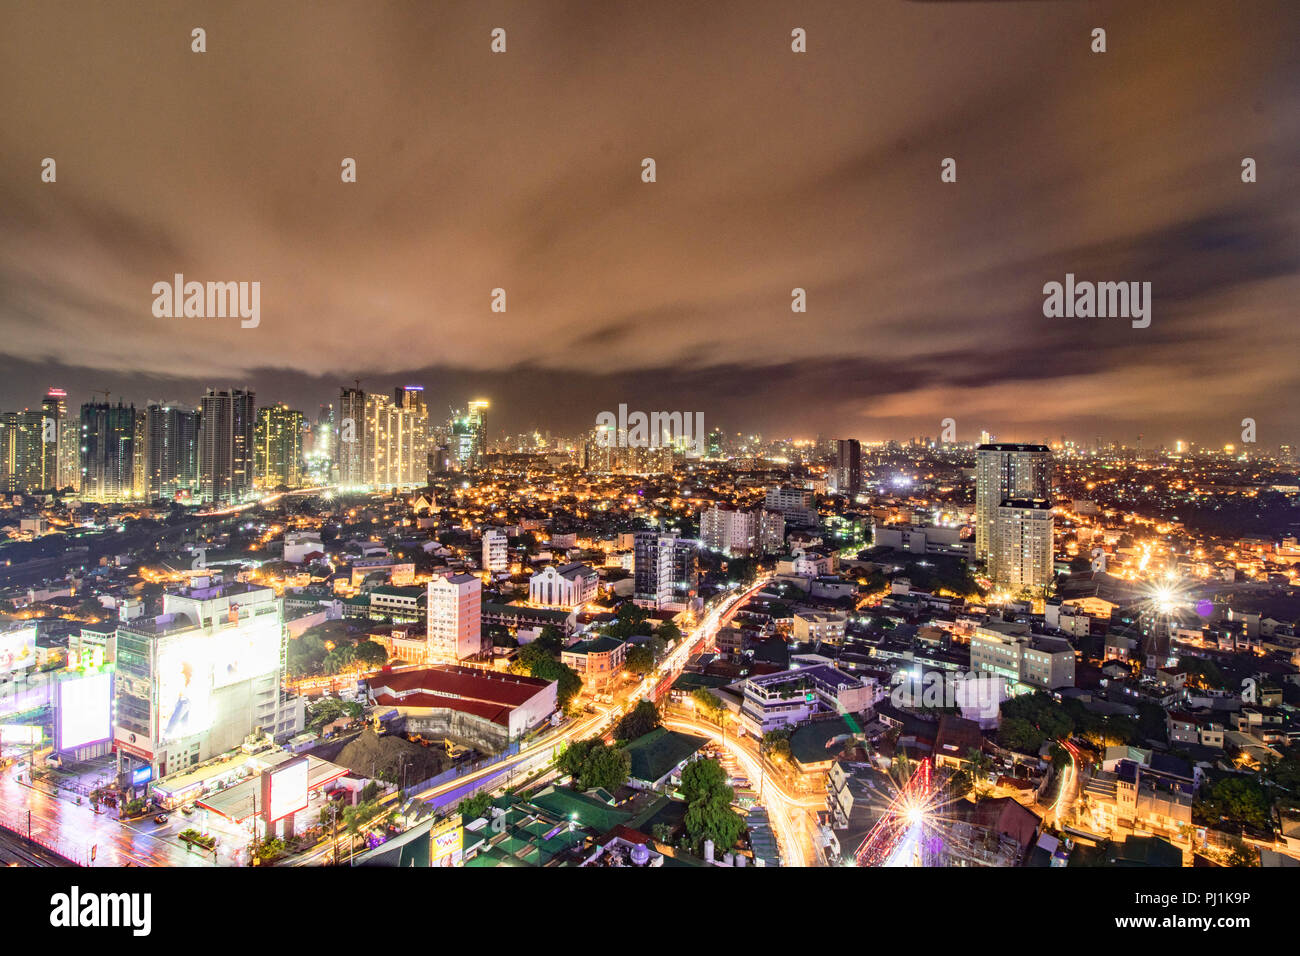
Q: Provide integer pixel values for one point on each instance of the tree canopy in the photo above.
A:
(637, 722)
(708, 799)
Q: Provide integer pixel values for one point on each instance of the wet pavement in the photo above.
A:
(73, 831)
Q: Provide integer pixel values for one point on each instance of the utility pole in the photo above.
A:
(334, 829)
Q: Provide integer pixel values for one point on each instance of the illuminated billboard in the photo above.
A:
(184, 688)
(84, 711)
(288, 789)
(448, 842)
(17, 649)
(250, 650)
(29, 735)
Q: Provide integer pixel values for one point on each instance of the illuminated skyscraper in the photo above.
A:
(278, 456)
(395, 440)
(171, 449)
(666, 570)
(196, 680)
(108, 436)
(226, 436)
(1021, 554)
(55, 409)
(478, 425)
(495, 555)
(848, 466)
(1005, 471)
(350, 444)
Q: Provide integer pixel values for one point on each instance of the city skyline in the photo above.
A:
(775, 171)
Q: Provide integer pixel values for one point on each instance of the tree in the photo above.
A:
(592, 763)
(708, 799)
(713, 819)
(637, 722)
(530, 656)
(1031, 719)
(568, 682)
(551, 639)
(571, 759)
(371, 654)
(606, 768)
(1060, 757)
(1238, 799)
(629, 621)
(960, 783)
(306, 656)
(776, 743)
(324, 711)
(708, 705)
(702, 778)
(980, 765)
(471, 808)
(536, 661)
(1241, 853)
(640, 661)
(668, 632)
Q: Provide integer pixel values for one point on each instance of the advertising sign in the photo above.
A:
(184, 689)
(84, 710)
(17, 649)
(29, 735)
(249, 650)
(448, 842)
(288, 788)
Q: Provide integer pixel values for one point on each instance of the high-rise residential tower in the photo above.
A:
(278, 459)
(1005, 471)
(108, 435)
(226, 436)
(848, 466)
(1021, 554)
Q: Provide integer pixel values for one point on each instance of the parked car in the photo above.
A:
(187, 809)
(161, 818)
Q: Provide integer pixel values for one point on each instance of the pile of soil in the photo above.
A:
(374, 755)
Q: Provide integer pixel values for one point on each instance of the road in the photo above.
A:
(793, 817)
(536, 754)
(543, 751)
(1069, 791)
(72, 830)
(657, 684)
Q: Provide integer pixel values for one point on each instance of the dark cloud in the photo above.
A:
(775, 171)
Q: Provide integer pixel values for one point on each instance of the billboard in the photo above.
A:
(184, 688)
(84, 710)
(28, 735)
(288, 789)
(448, 842)
(17, 649)
(249, 650)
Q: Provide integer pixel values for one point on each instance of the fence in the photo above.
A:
(77, 854)
(460, 770)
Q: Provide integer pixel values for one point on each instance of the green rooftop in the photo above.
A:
(655, 754)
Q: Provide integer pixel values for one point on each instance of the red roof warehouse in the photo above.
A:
(430, 697)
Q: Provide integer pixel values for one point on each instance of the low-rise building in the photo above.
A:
(563, 586)
(1013, 651)
(597, 660)
(812, 626)
(788, 698)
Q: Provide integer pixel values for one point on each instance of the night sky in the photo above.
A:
(775, 170)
